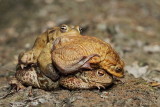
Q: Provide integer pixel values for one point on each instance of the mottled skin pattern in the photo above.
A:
(40, 54)
(72, 53)
(33, 77)
(82, 80)
(87, 80)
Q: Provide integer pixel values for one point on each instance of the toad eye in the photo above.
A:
(64, 28)
(100, 73)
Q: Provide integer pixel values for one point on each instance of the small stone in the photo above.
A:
(152, 48)
(101, 26)
(27, 45)
(136, 70)
(105, 95)
(34, 103)
(41, 100)
(50, 24)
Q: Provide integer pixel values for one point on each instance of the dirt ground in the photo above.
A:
(131, 26)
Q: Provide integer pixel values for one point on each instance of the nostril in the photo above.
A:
(118, 69)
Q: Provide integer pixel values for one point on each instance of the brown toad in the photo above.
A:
(87, 80)
(32, 55)
(40, 54)
(82, 80)
(72, 53)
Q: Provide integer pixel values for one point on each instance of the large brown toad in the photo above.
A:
(82, 80)
(40, 54)
(42, 40)
(72, 53)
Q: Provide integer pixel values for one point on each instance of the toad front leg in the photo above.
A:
(30, 57)
(45, 63)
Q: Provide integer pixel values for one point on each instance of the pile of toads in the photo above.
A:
(61, 56)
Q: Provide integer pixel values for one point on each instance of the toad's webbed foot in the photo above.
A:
(15, 84)
(26, 58)
(99, 86)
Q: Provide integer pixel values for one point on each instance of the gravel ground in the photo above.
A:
(130, 26)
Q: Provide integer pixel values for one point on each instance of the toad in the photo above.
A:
(72, 53)
(81, 80)
(40, 54)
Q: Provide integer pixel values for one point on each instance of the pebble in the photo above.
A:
(101, 26)
(152, 48)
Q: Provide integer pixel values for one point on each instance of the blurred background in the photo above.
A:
(132, 27)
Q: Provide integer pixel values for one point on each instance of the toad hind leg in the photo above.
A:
(82, 63)
(33, 77)
(15, 84)
(27, 77)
